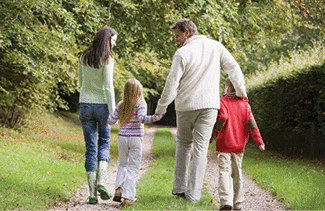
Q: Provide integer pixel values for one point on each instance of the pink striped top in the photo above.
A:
(135, 127)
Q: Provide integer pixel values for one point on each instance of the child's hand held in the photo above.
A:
(262, 147)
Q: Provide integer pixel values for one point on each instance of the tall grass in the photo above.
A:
(154, 191)
(43, 163)
(298, 182)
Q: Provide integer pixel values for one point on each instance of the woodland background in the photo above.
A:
(279, 45)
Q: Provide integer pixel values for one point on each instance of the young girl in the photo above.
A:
(131, 114)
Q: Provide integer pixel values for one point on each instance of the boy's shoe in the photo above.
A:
(226, 207)
(118, 195)
(182, 195)
(129, 201)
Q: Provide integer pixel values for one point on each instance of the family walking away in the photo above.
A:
(235, 121)
(131, 113)
(97, 100)
(193, 82)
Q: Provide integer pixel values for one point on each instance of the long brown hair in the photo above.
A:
(132, 93)
(101, 48)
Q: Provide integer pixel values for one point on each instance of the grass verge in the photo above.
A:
(299, 183)
(43, 163)
(154, 191)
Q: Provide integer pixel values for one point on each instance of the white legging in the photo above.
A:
(130, 154)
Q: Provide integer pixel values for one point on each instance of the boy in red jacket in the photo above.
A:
(235, 122)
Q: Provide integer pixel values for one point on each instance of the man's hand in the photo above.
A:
(160, 111)
(241, 94)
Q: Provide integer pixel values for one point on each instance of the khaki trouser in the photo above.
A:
(194, 128)
(230, 176)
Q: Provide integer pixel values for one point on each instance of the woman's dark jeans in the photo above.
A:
(93, 116)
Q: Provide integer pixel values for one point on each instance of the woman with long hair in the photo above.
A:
(131, 113)
(97, 100)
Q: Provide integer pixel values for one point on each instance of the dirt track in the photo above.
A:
(256, 198)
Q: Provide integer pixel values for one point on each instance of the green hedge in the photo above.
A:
(290, 108)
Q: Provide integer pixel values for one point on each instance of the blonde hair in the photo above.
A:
(132, 94)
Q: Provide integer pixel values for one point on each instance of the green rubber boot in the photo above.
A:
(92, 183)
(102, 175)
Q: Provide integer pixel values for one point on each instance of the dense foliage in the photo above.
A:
(288, 104)
(41, 40)
(38, 51)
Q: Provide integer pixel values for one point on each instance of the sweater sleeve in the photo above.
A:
(80, 73)
(142, 114)
(255, 132)
(230, 65)
(108, 85)
(112, 118)
(170, 91)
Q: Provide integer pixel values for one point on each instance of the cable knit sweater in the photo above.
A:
(96, 85)
(194, 77)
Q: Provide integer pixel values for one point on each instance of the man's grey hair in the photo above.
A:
(185, 24)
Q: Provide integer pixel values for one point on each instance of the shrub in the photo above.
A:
(288, 104)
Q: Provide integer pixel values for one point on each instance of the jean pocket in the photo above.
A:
(84, 106)
(84, 112)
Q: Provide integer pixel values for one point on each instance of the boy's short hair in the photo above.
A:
(185, 24)
(229, 84)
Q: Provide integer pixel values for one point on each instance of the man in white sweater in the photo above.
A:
(193, 82)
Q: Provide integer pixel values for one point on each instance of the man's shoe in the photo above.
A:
(226, 207)
(118, 195)
(182, 195)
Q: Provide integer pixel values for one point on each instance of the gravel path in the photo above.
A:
(256, 197)
(79, 201)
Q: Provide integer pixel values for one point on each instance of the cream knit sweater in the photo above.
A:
(96, 85)
(194, 77)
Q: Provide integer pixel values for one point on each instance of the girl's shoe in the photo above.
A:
(102, 173)
(118, 195)
(93, 201)
(129, 201)
(104, 194)
(92, 183)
